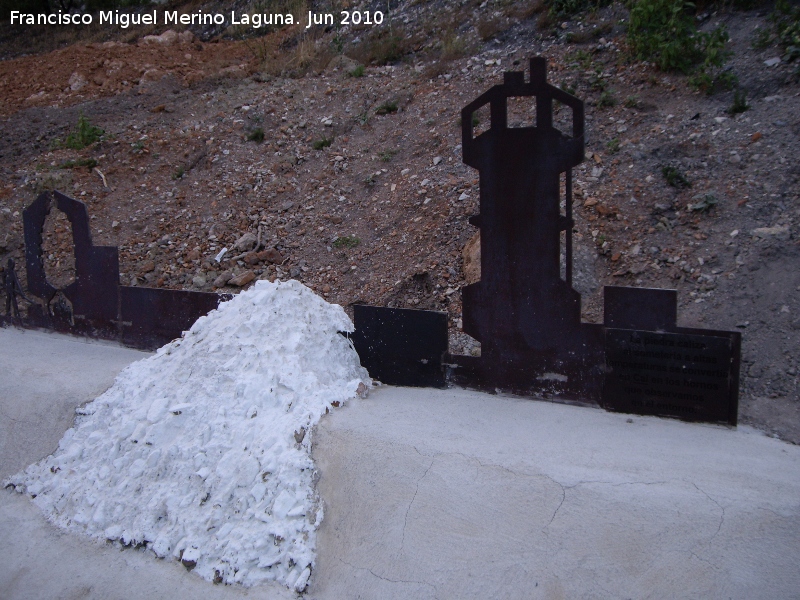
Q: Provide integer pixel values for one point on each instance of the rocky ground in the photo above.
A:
(357, 188)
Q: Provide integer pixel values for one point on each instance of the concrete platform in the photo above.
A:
(446, 494)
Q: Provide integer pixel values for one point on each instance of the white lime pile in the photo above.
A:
(202, 451)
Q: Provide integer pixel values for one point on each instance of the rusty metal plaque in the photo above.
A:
(401, 346)
(690, 376)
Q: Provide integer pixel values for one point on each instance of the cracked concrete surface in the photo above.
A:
(457, 494)
(51, 374)
(446, 494)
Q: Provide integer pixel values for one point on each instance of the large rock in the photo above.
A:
(243, 279)
(778, 232)
(247, 242)
(343, 63)
(168, 38)
(472, 259)
(223, 279)
(77, 82)
(272, 256)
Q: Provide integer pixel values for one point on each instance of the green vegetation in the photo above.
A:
(566, 8)
(487, 28)
(606, 100)
(631, 102)
(703, 204)
(475, 120)
(613, 145)
(597, 83)
(358, 71)
(675, 178)
(664, 32)
(337, 43)
(582, 58)
(386, 108)
(257, 135)
(347, 241)
(323, 143)
(787, 24)
(589, 33)
(89, 163)
(709, 73)
(384, 46)
(387, 155)
(454, 46)
(179, 173)
(739, 103)
(85, 134)
(762, 38)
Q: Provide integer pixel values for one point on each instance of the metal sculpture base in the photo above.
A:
(95, 304)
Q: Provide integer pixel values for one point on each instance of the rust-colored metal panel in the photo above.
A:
(151, 317)
(401, 346)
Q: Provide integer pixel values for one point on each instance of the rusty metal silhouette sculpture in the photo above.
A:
(527, 316)
(90, 303)
(95, 304)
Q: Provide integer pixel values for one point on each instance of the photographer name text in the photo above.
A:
(199, 18)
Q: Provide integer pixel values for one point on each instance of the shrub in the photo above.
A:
(664, 32)
(323, 143)
(454, 46)
(709, 74)
(358, 71)
(787, 24)
(384, 46)
(257, 135)
(675, 178)
(84, 134)
(704, 203)
(606, 100)
(739, 103)
(762, 38)
(386, 108)
(597, 83)
(347, 241)
(566, 8)
(89, 163)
